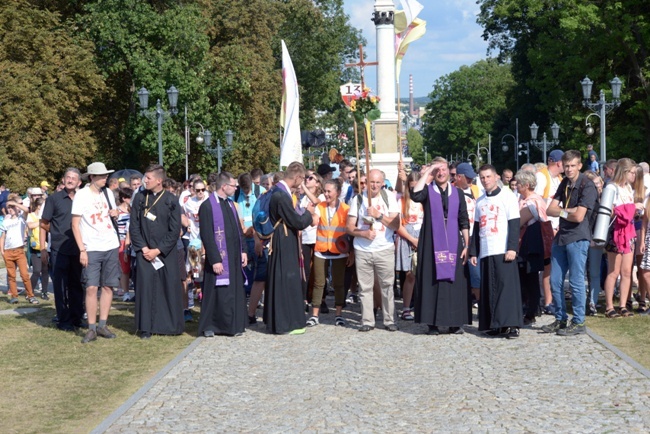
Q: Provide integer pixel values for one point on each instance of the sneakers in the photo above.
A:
(313, 321)
(105, 333)
(13, 300)
(91, 335)
(572, 330)
(391, 328)
(44, 296)
(554, 327)
(32, 300)
(591, 310)
(187, 315)
(513, 333)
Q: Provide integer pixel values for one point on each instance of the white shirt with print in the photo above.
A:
(97, 230)
(493, 213)
(384, 236)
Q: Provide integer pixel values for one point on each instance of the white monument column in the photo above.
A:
(386, 153)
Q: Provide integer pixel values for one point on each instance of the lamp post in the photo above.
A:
(218, 150)
(555, 132)
(477, 159)
(158, 114)
(504, 148)
(601, 107)
(522, 152)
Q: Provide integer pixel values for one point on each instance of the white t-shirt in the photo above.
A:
(14, 230)
(191, 208)
(308, 234)
(493, 213)
(415, 214)
(384, 236)
(97, 230)
(471, 208)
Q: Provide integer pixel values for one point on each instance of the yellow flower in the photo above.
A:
(373, 99)
(353, 105)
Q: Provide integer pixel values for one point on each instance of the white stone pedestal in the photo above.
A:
(387, 163)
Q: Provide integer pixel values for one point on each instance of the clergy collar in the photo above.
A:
(220, 196)
(493, 192)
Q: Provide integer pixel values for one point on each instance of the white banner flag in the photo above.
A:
(290, 148)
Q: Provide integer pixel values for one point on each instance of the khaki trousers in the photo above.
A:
(17, 258)
(378, 266)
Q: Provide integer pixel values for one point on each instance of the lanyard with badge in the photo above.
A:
(564, 213)
(147, 209)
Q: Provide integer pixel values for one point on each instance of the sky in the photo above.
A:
(453, 39)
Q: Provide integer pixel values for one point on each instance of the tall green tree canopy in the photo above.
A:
(48, 86)
(463, 107)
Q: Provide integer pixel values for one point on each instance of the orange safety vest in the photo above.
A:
(328, 232)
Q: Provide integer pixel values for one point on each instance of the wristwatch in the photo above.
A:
(380, 218)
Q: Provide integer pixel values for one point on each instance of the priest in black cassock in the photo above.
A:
(154, 228)
(284, 306)
(223, 309)
(496, 241)
(442, 293)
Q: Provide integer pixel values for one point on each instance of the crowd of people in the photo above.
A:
(452, 237)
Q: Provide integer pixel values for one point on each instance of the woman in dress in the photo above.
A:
(407, 241)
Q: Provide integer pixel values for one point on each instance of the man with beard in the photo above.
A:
(155, 227)
(442, 293)
(496, 241)
(223, 310)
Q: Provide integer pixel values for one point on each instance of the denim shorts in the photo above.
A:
(261, 265)
(103, 269)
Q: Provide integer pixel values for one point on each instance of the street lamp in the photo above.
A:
(477, 159)
(555, 132)
(158, 115)
(601, 107)
(504, 147)
(218, 150)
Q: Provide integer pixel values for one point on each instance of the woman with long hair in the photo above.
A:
(309, 192)
(407, 242)
(620, 246)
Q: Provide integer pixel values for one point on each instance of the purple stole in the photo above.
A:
(445, 233)
(223, 279)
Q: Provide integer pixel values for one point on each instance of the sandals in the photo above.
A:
(612, 314)
(643, 308)
(340, 322)
(407, 315)
(32, 300)
(313, 321)
(625, 313)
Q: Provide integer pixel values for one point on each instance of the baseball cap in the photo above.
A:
(466, 170)
(555, 155)
(45, 184)
(324, 169)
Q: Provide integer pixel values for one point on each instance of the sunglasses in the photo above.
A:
(198, 190)
(311, 178)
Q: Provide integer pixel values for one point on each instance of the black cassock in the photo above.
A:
(159, 293)
(223, 309)
(440, 302)
(284, 306)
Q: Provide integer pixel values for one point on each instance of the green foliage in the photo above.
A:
(553, 44)
(463, 107)
(48, 86)
(416, 145)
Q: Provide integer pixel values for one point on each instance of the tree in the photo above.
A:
(552, 45)
(416, 146)
(464, 105)
(48, 86)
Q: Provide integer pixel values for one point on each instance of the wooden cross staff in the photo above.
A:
(361, 64)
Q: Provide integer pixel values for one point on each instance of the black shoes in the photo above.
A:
(433, 330)
(145, 335)
(252, 320)
(391, 328)
(366, 328)
(513, 333)
(208, 334)
(456, 330)
(572, 330)
(324, 308)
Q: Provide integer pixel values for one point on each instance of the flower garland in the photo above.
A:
(365, 106)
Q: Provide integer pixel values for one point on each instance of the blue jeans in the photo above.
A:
(595, 258)
(250, 268)
(571, 258)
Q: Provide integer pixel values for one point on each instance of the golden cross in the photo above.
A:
(361, 64)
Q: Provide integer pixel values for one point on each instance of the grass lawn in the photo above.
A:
(53, 383)
(630, 335)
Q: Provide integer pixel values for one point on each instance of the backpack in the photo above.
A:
(261, 217)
